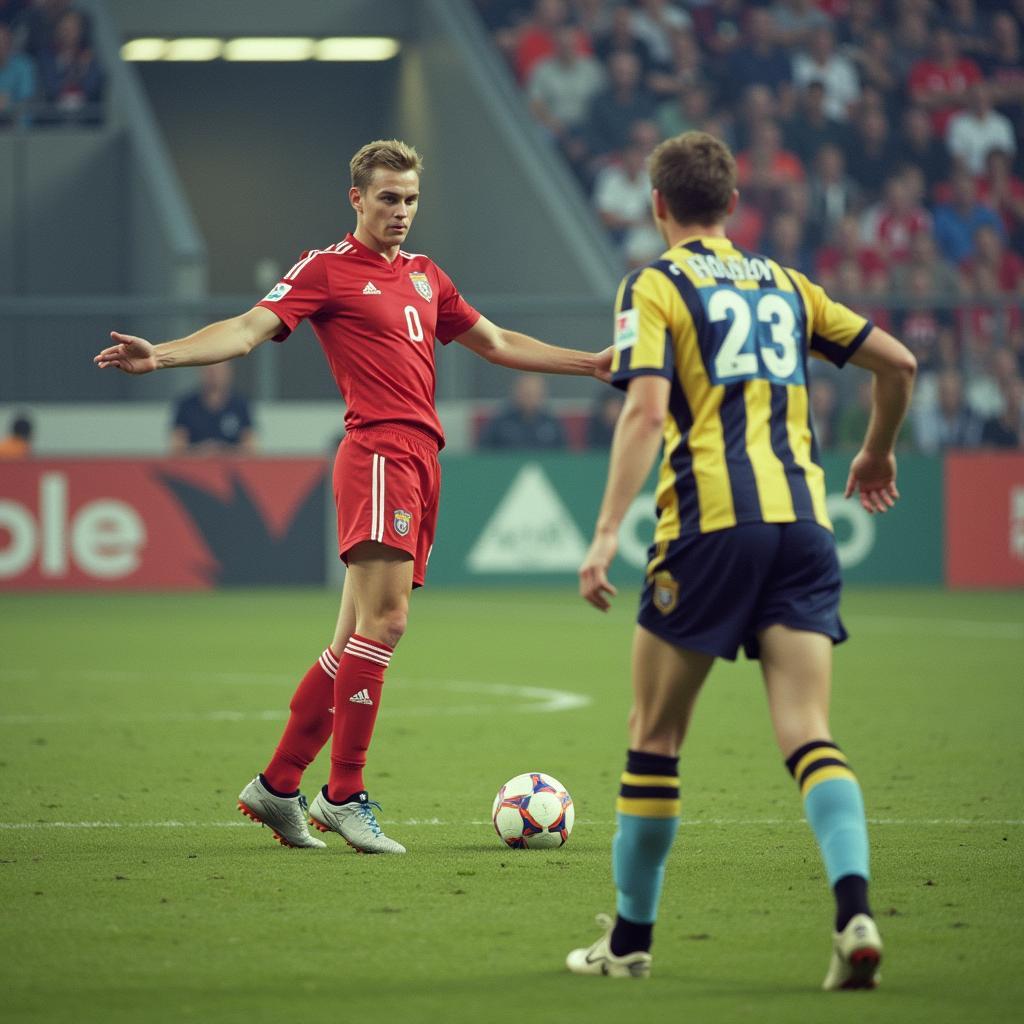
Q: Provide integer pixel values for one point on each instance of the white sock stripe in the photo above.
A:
(328, 662)
(366, 656)
(354, 641)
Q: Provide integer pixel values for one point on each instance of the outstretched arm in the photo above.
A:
(637, 437)
(215, 343)
(521, 352)
(873, 471)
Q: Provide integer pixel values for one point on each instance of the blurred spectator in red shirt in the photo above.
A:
(537, 37)
(940, 82)
(765, 169)
(891, 225)
(1005, 266)
(925, 329)
(746, 225)
(846, 245)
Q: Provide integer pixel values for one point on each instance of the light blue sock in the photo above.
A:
(639, 851)
(835, 811)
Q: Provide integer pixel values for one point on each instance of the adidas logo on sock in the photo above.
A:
(362, 697)
(371, 289)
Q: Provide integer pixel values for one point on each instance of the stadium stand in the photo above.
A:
(878, 146)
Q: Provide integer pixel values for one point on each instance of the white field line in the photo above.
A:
(523, 699)
(972, 628)
(685, 823)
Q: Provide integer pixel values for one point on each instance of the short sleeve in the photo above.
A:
(455, 315)
(835, 331)
(643, 333)
(301, 293)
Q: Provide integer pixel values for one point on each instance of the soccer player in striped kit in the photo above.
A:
(376, 311)
(711, 346)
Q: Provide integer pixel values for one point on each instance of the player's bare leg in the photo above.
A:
(379, 582)
(797, 669)
(666, 683)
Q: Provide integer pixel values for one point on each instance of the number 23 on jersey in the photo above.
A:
(753, 335)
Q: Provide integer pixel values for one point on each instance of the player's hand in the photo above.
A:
(130, 354)
(594, 585)
(603, 367)
(874, 477)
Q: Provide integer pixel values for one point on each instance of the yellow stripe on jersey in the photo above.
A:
(769, 473)
(798, 428)
(731, 331)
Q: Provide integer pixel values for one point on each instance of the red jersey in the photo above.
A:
(376, 322)
(926, 76)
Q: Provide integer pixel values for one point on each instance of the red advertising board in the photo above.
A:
(985, 520)
(161, 523)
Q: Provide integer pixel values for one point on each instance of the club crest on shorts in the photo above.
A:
(422, 285)
(402, 521)
(666, 592)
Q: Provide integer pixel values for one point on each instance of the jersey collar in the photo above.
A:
(367, 253)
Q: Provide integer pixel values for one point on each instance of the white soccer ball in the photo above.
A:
(533, 811)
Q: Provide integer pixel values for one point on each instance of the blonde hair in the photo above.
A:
(696, 175)
(390, 153)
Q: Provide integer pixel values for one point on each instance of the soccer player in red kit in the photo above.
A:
(376, 311)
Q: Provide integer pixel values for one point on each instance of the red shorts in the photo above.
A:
(387, 482)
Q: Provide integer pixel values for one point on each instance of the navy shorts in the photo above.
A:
(715, 591)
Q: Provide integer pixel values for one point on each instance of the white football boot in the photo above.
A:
(285, 816)
(599, 958)
(354, 822)
(856, 954)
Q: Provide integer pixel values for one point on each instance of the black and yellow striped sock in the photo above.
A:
(648, 816)
(835, 811)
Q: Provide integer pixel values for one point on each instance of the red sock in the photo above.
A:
(308, 726)
(357, 690)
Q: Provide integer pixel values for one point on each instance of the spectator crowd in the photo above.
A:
(49, 73)
(878, 147)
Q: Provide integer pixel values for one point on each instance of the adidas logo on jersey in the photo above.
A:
(362, 697)
(371, 289)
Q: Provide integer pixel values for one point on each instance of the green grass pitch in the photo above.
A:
(149, 713)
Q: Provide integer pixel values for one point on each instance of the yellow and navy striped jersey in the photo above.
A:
(732, 332)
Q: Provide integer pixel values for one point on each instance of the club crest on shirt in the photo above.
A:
(421, 284)
(278, 292)
(402, 521)
(666, 593)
